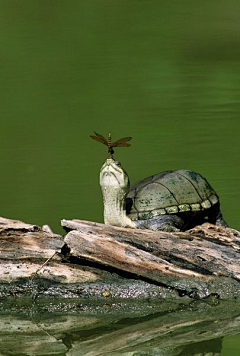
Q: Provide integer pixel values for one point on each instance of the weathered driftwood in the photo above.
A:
(28, 252)
(32, 263)
(174, 255)
(188, 261)
(105, 261)
(110, 264)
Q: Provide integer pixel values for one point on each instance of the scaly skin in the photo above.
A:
(114, 183)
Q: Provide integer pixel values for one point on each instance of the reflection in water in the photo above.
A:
(82, 330)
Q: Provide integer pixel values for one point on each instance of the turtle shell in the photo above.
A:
(170, 192)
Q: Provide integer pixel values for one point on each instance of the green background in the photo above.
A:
(166, 73)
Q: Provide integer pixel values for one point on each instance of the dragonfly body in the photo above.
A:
(119, 143)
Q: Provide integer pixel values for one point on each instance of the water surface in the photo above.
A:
(120, 328)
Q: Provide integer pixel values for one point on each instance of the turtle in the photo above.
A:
(169, 201)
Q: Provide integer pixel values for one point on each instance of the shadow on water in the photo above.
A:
(80, 328)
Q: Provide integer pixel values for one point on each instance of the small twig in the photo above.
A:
(37, 271)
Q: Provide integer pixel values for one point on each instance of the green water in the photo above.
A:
(157, 328)
(166, 73)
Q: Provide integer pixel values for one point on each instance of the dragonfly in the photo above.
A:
(108, 142)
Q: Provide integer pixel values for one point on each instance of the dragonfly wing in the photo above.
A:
(122, 142)
(99, 138)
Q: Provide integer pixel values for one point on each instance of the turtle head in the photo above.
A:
(113, 176)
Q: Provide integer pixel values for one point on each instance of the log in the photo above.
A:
(125, 291)
(33, 263)
(98, 261)
(192, 262)
(28, 252)
(199, 249)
